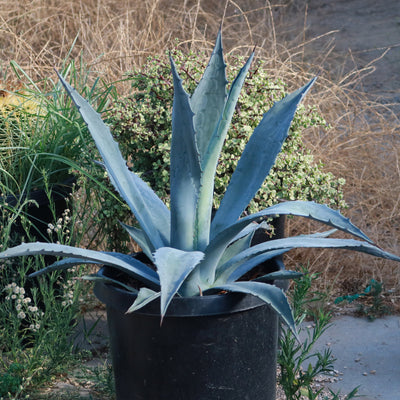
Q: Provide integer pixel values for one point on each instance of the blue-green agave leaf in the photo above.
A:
(218, 137)
(185, 172)
(106, 279)
(242, 241)
(242, 265)
(263, 250)
(208, 99)
(141, 239)
(268, 293)
(66, 263)
(145, 296)
(120, 261)
(307, 209)
(210, 159)
(299, 208)
(173, 267)
(232, 271)
(237, 247)
(218, 252)
(285, 274)
(151, 213)
(258, 158)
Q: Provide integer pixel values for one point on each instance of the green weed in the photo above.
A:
(373, 305)
(299, 364)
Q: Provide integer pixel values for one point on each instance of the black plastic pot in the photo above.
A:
(39, 212)
(212, 347)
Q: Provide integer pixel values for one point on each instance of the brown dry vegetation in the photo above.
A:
(116, 35)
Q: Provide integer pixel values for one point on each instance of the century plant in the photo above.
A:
(195, 251)
(141, 124)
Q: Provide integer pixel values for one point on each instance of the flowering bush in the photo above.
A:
(23, 306)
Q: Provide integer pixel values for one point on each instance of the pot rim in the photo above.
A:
(195, 306)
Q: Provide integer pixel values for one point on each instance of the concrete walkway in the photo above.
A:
(368, 355)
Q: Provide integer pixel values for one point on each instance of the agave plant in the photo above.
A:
(193, 253)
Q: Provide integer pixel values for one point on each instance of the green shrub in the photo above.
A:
(141, 123)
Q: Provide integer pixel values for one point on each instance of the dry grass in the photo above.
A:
(116, 35)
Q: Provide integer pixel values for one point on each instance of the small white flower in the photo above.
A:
(21, 315)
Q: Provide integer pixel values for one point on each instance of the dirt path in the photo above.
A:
(361, 31)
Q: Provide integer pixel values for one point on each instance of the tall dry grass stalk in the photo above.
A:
(114, 36)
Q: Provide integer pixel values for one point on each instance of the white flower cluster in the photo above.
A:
(68, 291)
(4, 263)
(61, 227)
(23, 305)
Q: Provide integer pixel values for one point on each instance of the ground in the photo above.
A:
(364, 32)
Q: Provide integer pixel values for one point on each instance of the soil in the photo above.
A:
(362, 33)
